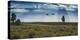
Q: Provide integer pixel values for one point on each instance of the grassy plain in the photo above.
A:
(43, 29)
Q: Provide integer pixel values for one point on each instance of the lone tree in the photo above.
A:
(18, 22)
(13, 18)
(63, 19)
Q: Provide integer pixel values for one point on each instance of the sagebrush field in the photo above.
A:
(42, 29)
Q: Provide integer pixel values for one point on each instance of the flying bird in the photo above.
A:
(52, 13)
(47, 14)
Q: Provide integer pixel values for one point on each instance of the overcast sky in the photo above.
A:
(37, 12)
(53, 1)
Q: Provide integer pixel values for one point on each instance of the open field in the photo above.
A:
(43, 29)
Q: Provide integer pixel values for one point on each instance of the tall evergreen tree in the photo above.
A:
(13, 17)
(63, 19)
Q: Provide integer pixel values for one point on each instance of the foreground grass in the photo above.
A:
(37, 30)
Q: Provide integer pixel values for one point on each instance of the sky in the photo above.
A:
(52, 1)
(44, 12)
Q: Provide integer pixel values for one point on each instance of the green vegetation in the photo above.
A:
(13, 20)
(63, 19)
(18, 22)
(13, 17)
(42, 29)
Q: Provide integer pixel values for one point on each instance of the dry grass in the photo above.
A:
(37, 30)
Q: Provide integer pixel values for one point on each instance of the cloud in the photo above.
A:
(70, 9)
(44, 11)
(72, 6)
(12, 6)
(50, 6)
(39, 10)
(63, 6)
(19, 10)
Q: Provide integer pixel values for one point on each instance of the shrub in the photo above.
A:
(18, 22)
